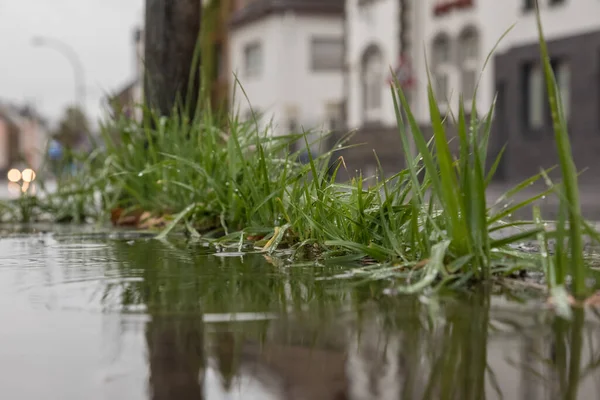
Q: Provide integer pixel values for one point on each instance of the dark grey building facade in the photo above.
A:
(526, 127)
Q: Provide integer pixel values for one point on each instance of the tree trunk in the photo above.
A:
(172, 32)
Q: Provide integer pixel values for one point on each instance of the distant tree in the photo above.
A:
(72, 129)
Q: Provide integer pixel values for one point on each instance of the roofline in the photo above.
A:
(259, 9)
(123, 89)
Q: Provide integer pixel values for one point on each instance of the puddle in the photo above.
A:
(86, 315)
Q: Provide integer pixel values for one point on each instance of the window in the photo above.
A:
(441, 67)
(469, 44)
(372, 82)
(327, 54)
(534, 95)
(253, 59)
(501, 131)
(441, 50)
(441, 87)
(537, 110)
(469, 59)
(252, 115)
(468, 79)
(562, 72)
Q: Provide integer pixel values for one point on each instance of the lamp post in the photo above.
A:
(73, 58)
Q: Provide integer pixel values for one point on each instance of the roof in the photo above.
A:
(124, 91)
(18, 114)
(258, 9)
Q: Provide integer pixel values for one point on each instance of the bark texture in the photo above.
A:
(172, 32)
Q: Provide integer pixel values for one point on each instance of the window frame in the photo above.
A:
(320, 65)
(562, 70)
(442, 68)
(530, 95)
(468, 46)
(372, 92)
(256, 71)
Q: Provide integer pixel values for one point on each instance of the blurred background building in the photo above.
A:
(23, 137)
(328, 64)
(289, 59)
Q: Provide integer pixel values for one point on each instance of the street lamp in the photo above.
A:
(21, 181)
(73, 58)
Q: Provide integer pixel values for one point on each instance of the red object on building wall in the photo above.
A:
(445, 6)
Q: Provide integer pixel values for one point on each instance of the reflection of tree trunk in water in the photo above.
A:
(531, 348)
(226, 357)
(176, 358)
(575, 353)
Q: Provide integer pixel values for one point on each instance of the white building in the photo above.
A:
(372, 37)
(323, 64)
(456, 36)
(288, 57)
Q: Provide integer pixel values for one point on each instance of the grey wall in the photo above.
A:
(528, 149)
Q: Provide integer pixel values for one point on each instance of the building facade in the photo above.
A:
(23, 138)
(374, 45)
(288, 59)
(523, 118)
(372, 37)
(327, 65)
(452, 40)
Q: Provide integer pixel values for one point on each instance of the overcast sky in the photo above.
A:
(100, 31)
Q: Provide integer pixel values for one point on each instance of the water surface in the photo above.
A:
(86, 315)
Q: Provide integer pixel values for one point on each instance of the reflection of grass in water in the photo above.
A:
(568, 346)
(455, 347)
(446, 346)
(179, 279)
(444, 340)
